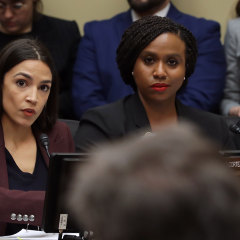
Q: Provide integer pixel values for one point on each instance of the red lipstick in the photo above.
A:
(29, 112)
(159, 87)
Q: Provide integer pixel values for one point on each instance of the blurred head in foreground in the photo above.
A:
(162, 187)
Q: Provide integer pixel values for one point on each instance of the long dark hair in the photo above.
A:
(37, 9)
(28, 49)
(238, 8)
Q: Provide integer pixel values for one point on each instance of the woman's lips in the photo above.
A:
(29, 112)
(159, 87)
(10, 24)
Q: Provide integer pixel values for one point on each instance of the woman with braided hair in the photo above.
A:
(156, 56)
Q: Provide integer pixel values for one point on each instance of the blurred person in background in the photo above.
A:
(97, 80)
(230, 104)
(23, 18)
(162, 186)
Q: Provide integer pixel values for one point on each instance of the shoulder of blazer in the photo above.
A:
(109, 115)
(213, 125)
(121, 117)
(194, 24)
(195, 114)
(121, 17)
(47, 23)
(59, 130)
(233, 25)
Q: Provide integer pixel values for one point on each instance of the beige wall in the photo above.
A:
(86, 10)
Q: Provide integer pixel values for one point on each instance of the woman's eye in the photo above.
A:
(21, 83)
(44, 88)
(17, 5)
(172, 62)
(148, 60)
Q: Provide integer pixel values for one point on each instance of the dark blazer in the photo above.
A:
(128, 116)
(97, 81)
(30, 203)
(62, 38)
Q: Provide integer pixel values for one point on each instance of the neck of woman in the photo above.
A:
(14, 133)
(160, 114)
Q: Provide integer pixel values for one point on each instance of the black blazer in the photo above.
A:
(62, 38)
(128, 116)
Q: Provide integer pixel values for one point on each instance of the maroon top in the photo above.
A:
(31, 202)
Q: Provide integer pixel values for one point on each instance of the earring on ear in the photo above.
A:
(132, 73)
(184, 79)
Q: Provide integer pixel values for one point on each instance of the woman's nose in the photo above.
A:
(160, 71)
(8, 12)
(32, 97)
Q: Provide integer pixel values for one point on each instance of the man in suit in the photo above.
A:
(97, 80)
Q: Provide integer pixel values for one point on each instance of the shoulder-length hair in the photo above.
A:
(238, 9)
(28, 49)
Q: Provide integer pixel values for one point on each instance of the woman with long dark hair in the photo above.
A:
(28, 108)
(23, 18)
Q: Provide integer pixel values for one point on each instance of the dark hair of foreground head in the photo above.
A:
(160, 187)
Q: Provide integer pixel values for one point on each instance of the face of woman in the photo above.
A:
(26, 88)
(16, 16)
(160, 68)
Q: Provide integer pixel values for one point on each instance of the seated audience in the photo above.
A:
(29, 99)
(230, 104)
(156, 57)
(22, 18)
(97, 81)
(162, 187)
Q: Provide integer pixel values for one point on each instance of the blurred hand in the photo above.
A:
(235, 111)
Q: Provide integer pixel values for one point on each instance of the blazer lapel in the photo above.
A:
(173, 13)
(138, 115)
(3, 169)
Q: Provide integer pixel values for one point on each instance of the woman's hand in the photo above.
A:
(234, 111)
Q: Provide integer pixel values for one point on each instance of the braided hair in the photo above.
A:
(141, 33)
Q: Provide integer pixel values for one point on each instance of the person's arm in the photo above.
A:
(205, 86)
(230, 103)
(21, 202)
(227, 142)
(87, 89)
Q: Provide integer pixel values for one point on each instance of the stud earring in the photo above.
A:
(184, 79)
(132, 73)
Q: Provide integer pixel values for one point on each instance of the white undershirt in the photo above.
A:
(161, 13)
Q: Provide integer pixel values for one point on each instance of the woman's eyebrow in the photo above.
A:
(29, 77)
(23, 74)
(148, 52)
(46, 81)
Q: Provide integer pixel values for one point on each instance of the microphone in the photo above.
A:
(234, 128)
(45, 142)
